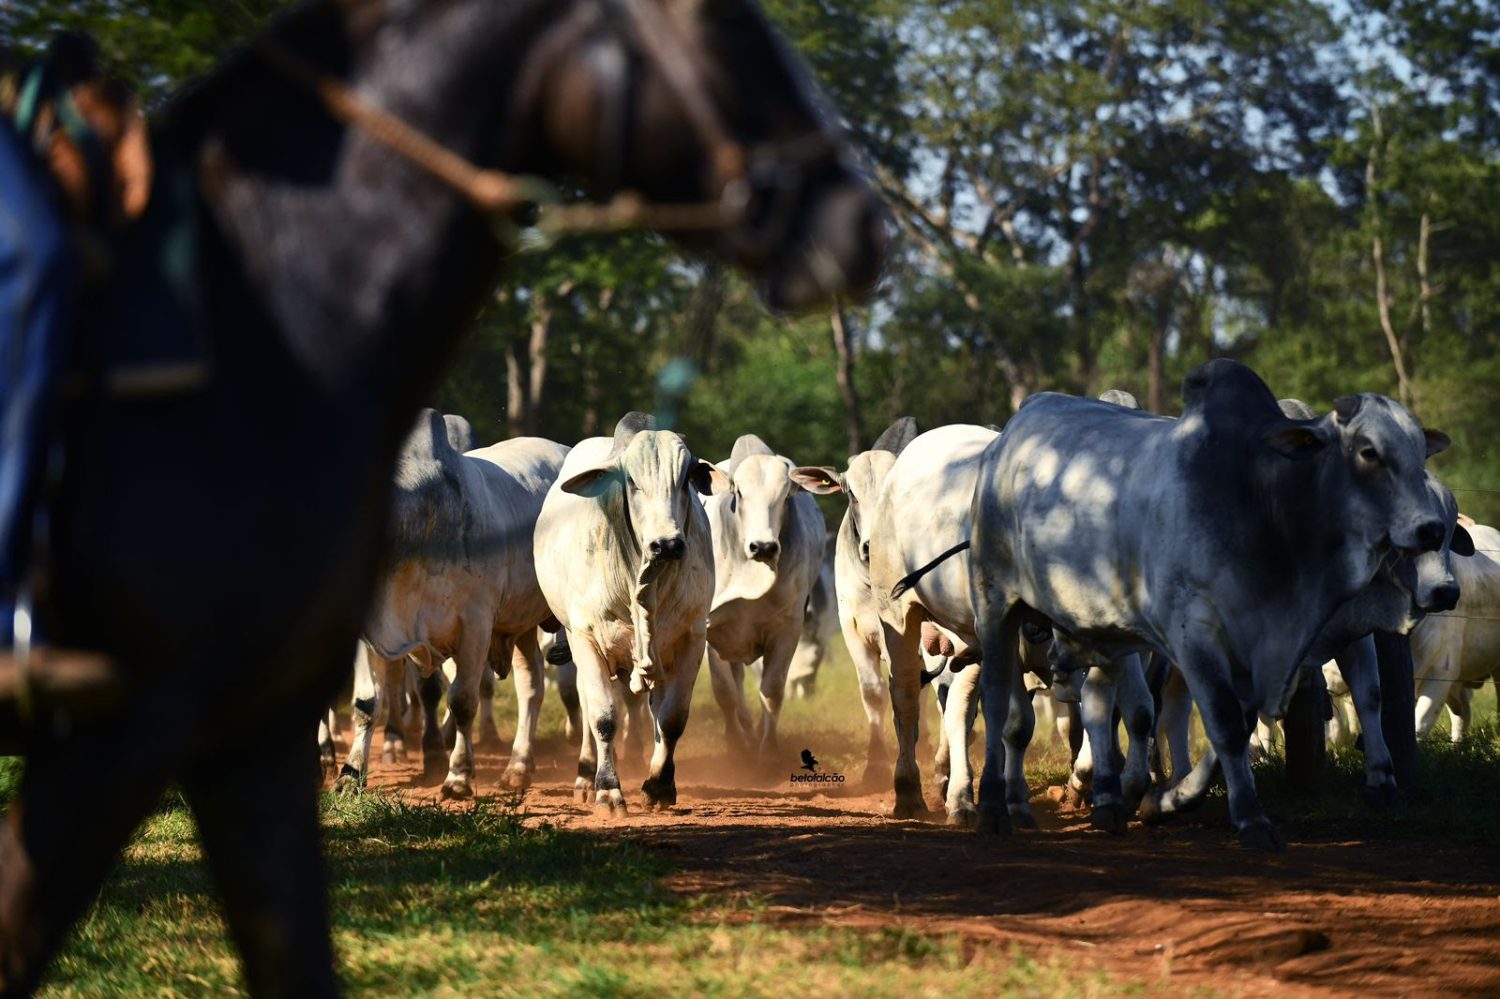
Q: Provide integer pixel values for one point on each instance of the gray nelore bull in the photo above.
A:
(819, 625)
(1406, 587)
(625, 558)
(460, 583)
(1226, 539)
(768, 546)
(859, 617)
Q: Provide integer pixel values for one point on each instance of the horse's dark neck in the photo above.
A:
(367, 269)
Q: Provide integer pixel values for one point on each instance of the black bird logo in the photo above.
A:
(809, 761)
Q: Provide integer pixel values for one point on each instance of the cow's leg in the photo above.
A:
(1081, 777)
(958, 723)
(487, 734)
(1176, 718)
(1460, 711)
(941, 757)
(1228, 726)
(601, 715)
(258, 822)
(396, 708)
(874, 697)
(1139, 714)
(526, 668)
(775, 662)
(434, 753)
(59, 840)
(903, 649)
(588, 754)
(1361, 674)
(729, 692)
(669, 715)
(471, 662)
(999, 630)
(327, 749)
(567, 692)
(365, 707)
(1020, 726)
(1099, 696)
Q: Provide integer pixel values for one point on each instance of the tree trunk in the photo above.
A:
(515, 392)
(541, 326)
(845, 374)
(1377, 254)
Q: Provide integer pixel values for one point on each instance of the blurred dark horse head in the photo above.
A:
(218, 537)
(596, 101)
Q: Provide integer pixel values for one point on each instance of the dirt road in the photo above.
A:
(1347, 909)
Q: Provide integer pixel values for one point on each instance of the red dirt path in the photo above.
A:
(1344, 910)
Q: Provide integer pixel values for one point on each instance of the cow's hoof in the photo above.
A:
(388, 754)
(660, 794)
(434, 769)
(1381, 796)
(1261, 836)
(1110, 817)
(457, 789)
(908, 808)
(1021, 817)
(1150, 811)
(350, 781)
(876, 775)
(965, 816)
(993, 823)
(611, 803)
(1075, 796)
(515, 779)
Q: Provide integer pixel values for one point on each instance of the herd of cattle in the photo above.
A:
(1129, 565)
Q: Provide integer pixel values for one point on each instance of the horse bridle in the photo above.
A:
(738, 175)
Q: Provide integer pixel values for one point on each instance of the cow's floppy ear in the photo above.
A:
(1463, 541)
(592, 482)
(1437, 441)
(707, 479)
(817, 479)
(1296, 441)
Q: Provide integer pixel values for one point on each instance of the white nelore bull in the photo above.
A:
(1225, 539)
(460, 583)
(625, 558)
(859, 617)
(768, 547)
(1462, 647)
(819, 626)
(921, 515)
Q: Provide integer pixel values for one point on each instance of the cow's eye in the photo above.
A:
(1370, 456)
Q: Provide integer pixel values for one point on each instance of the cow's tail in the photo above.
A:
(910, 579)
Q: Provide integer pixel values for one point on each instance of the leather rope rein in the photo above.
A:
(497, 194)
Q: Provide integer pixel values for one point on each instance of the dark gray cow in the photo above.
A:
(1226, 539)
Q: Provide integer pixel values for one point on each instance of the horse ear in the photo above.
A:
(818, 479)
(708, 479)
(590, 483)
(1463, 541)
(1437, 441)
(1298, 441)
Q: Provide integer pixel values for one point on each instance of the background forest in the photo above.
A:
(1090, 194)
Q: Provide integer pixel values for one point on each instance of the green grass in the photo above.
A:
(436, 902)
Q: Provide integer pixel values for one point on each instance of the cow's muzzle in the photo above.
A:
(1443, 598)
(667, 549)
(764, 551)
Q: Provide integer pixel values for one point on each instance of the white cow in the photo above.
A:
(1462, 646)
(625, 558)
(859, 617)
(819, 626)
(768, 547)
(461, 583)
